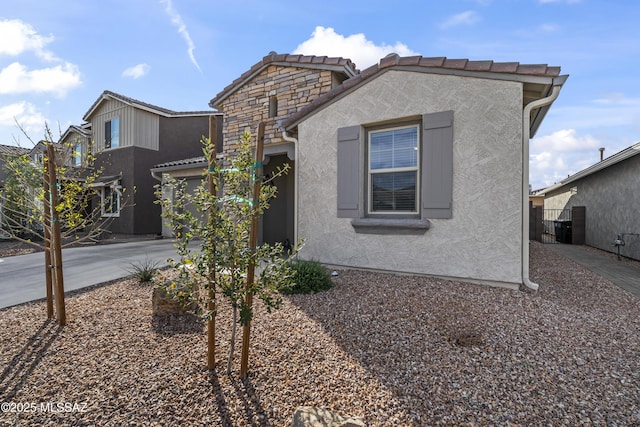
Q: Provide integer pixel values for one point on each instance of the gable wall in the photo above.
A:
(482, 240)
(610, 197)
(138, 128)
(294, 88)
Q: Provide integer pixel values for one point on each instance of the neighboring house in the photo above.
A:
(392, 164)
(7, 151)
(609, 192)
(128, 137)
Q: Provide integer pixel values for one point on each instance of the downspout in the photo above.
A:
(288, 138)
(155, 176)
(526, 123)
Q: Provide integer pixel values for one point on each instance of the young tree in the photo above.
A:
(40, 198)
(219, 215)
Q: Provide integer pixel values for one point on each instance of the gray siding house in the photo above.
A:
(128, 137)
(609, 192)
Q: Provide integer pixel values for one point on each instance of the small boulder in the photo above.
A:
(312, 416)
(165, 305)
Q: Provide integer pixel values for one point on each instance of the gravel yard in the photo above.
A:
(394, 350)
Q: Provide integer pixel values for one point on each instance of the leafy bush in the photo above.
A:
(144, 270)
(308, 276)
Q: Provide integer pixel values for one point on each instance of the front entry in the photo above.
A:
(278, 220)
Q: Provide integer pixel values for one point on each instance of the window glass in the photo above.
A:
(78, 155)
(112, 133)
(396, 148)
(110, 201)
(393, 170)
(395, 191)
(115, 133)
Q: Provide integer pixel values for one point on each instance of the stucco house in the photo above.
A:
(608, 191)
(128, 137)
(394, 164)
(390, 165)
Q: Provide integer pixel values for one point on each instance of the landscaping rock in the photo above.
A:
(164, 305)
(311, 416)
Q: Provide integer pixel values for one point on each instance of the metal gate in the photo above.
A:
(556, 226)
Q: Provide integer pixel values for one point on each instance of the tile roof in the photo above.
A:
(341, 65)
(183, 162)
(13, 150)
(142, 105)
(536, 73)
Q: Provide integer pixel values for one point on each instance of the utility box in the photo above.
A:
(563, 230)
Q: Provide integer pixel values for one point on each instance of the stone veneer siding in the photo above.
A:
(294, 88)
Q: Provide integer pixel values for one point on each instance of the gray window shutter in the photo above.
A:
(437, 164)
(348, 172)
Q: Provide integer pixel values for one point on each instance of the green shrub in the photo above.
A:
(144, 270)
(308, 276)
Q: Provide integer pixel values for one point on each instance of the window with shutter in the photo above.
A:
(406, 175)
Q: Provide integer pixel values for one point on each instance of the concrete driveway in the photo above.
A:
(22, 277)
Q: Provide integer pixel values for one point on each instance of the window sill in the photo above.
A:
(390, 226)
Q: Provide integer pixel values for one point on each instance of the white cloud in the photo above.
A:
(17, 37)
(26, 114)
(564, 140)
(468, 17)
(58, 80)
(325, 41)
(177, 20)
(136, 71)
(560, 154)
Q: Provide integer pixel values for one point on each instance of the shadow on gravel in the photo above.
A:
(223, 408)
(27, 359)
(387, 327)
(176, 325)
(254, 413)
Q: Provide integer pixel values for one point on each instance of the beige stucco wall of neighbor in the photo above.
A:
(482, 241)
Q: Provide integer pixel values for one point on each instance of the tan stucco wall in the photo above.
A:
(483, 239)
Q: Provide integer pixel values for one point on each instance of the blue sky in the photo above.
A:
(57, 56)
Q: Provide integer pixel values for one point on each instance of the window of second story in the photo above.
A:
(77, 155)
(112, 133)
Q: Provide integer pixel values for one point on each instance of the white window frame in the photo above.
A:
(416, 168)
(115, 187)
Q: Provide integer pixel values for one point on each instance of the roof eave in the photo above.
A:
(367, 76)
(227, 92)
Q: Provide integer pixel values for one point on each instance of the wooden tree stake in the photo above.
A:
(253, 240)
(55, 237)
(211, 304)
(47, 243)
